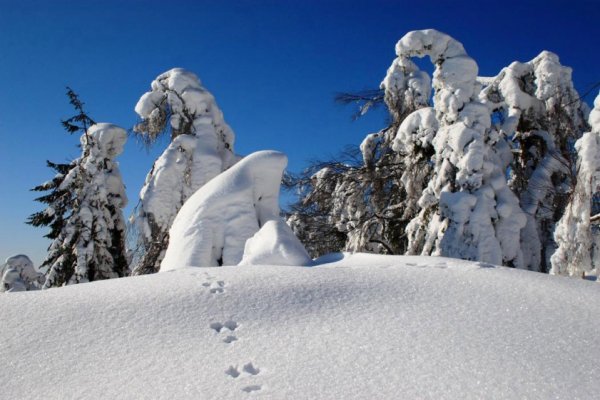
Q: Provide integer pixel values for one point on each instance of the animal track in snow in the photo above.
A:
(217, 287)
(251, 369)
(232, 371)
(248, 369)
(252, 388)
(230, 325)
(230, 339)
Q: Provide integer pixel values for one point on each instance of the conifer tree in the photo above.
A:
(84, 209)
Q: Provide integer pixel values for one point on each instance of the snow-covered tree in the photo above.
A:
(201, 147)
(435, 180)
(60, 200)
(573, 232)
(18, 274)
(90, 245)
(467, 209)
(536, 105)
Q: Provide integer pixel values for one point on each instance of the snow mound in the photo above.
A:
(18, 274)
(362, 327)
(214, 223)
(275, 244)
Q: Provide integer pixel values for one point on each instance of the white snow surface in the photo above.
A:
(213, 225)
(358, 327)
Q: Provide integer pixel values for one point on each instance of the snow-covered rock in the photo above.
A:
(275, 244)
(361, 327)
(213, 225)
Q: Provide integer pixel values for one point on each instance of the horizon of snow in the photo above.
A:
(357, 326)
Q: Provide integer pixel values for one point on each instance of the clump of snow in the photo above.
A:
(275, 244)
(213, 225)
(18, 274)
(361, 327)
(416, 131)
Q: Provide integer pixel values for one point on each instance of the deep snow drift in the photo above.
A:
(361, 327)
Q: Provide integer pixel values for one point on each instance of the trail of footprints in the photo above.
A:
(225, 331)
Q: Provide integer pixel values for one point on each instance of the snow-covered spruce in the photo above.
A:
(573, 232)
(18, 274)
(467, 210)
(91, 245)
(540, 110)
(212, 227)
(201, 147)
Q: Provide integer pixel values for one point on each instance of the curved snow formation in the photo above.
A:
(468, 211)
(201, 147)
(573, 233)
(213, 226)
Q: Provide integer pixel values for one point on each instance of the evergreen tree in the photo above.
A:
(60, 199)
(84, 209)
(91, 245)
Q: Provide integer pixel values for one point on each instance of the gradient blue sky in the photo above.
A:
(273, 67)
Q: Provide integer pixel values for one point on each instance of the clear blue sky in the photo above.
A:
(273, 67)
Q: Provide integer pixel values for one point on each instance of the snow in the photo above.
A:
(573, 233)
(275, 244)
(471, 158)
(362, 326)
(18, 274)
(91, 243)
(214, 223)
(201, 147)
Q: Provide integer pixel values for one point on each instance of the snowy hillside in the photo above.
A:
(360, 327)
